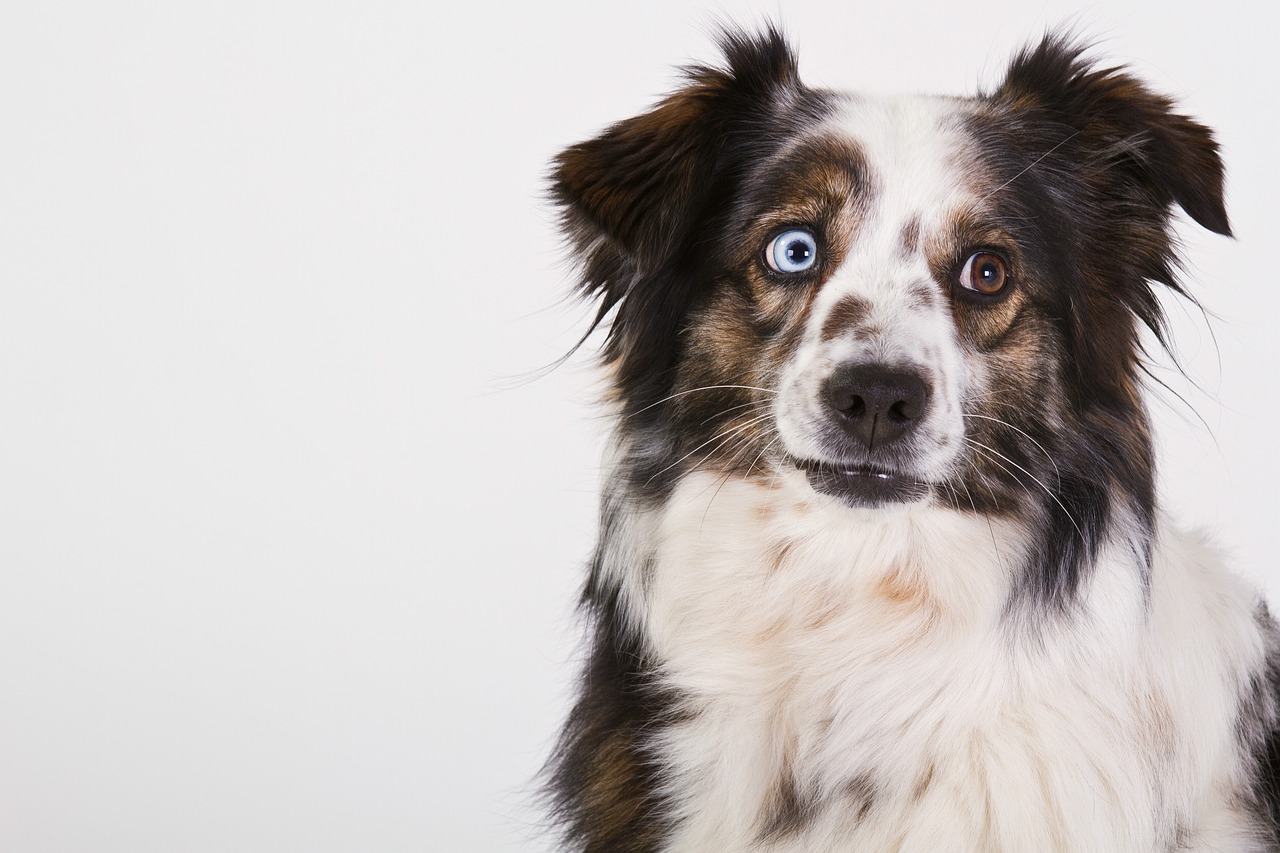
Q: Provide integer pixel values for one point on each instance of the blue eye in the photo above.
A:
(792, 251)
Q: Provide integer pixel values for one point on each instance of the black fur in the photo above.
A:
(1094, 162)
(1258, 727)
(635, 201)
(606, 786)
(1088, 164)
(639, 200)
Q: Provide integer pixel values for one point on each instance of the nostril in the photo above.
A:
(875, 403)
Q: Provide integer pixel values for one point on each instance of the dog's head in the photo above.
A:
(904, 300)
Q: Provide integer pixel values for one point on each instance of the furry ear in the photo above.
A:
(640, 183)
(1170, 156)
(636, 184)
(641, 202)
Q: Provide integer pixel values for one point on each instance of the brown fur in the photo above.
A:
(1073, 173)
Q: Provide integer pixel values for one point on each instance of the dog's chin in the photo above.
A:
(862, 486)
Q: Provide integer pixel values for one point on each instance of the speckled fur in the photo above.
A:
(1023, 654)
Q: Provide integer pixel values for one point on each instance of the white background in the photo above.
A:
(287, 559)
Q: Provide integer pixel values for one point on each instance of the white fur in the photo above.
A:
(872, 656)
(870, 649)
(916, 165)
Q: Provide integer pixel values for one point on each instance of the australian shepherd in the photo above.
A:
(880, 566)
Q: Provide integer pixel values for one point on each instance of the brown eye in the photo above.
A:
(984, 273)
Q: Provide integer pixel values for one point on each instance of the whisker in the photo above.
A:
(1034, 163)
(723, 412)
(1047, 454)
(719, 435)
(752, 467)
(773, 480)
(995, 545)
(745, 445)
(720, 484)
(1047, 491)
(703, 388)
(731, 469)
(990, 399)
(955, 496)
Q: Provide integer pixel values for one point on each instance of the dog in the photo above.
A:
(880, 565)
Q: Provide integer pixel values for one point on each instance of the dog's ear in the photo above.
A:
(640, 184)
(1163, 154)
(640, 202)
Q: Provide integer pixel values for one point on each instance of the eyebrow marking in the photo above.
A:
(849, 313)
(924, 292)
(909, 242)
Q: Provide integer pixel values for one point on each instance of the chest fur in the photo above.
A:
(860, 686)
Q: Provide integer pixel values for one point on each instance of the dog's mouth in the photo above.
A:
(861, 485)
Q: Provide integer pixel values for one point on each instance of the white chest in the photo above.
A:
(859, 686)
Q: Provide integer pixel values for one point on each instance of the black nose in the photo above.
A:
(876, 404)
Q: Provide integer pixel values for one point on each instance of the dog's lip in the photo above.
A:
(861, 484)
(845, 469)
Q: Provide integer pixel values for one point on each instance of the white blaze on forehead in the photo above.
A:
(913, 155)
(913, 150)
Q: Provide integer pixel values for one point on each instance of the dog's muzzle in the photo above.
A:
(875, 409)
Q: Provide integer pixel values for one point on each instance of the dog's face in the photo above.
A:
(899, 300)
(871, 299)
